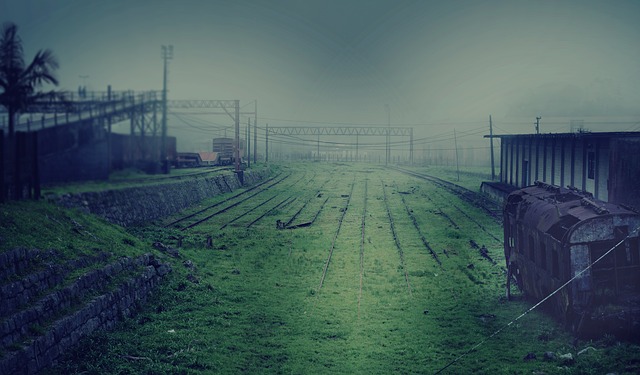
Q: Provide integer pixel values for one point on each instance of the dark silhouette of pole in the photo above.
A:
(249, 143)
(237, 137)
(538, 124)
(388, 144)
(266, 144)
(493, 170)
(167, 54)
(255, 133)
(455, 140)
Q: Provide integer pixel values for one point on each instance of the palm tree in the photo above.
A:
(19, 81)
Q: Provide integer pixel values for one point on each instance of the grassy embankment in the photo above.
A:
(258, 306)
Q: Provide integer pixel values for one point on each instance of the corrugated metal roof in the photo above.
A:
(555, 210)
(570, 135)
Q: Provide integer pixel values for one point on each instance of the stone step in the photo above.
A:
(101, 312)
(20, 261)
(21, 324)
(17, 294)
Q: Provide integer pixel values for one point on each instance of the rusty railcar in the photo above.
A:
(553, 234)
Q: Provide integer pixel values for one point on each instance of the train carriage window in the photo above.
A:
(543, 256)
(555, 266)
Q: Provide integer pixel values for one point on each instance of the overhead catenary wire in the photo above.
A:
(578, 274)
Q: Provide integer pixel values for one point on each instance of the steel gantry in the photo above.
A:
(344, 130)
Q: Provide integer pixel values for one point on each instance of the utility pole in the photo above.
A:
(255, 133)
(411, 146)
(167, 54)
(237, 142)
(388, 148)
(249, 143)
(455, 140)
(538, 124)
(493, 170)
(266, 144)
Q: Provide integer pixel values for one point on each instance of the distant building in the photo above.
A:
(605, 164)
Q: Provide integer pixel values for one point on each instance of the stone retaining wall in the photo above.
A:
(102, 312)
(43, 275)
(137, 205)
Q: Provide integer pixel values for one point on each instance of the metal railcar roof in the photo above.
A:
(556, 210)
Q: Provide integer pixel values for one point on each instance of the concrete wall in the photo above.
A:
(137, 205)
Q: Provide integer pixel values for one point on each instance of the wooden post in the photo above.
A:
(209, 242)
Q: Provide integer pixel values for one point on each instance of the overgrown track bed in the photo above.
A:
(250, 300)
(335, 236)
(257, 186)
(261, 190)
(282, 204)
(395, 237)
(465, 194)
(253, 209)
(415, 224)
(362, 241)
(289, 223)
(476, 222)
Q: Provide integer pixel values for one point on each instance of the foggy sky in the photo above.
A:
(436, 63)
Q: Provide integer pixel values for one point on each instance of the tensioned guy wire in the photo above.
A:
(536, 305)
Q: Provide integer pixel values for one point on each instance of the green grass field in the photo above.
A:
(254, 303)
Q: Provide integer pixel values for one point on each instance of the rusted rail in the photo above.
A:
(223, 202)
(415, 224)
(333, 242)
(467, 195)
(362, 230)
(281, 204)
(248, 212)
(395, 237)
(208, 217)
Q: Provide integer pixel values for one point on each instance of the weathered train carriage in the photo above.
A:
(552, 234)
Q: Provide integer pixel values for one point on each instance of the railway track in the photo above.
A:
(289, 223)
(282, 204)
(362, 238)
(251, 210)
(335, 236)
(261, 188)
(187, 217)
(476, 222)
(395, 237)
(465, 194)
(415, 224)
